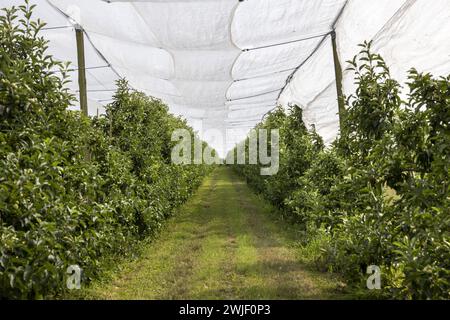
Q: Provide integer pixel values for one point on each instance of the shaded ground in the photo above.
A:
(223, 244)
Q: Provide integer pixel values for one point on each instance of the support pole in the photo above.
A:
(81, 69)
(338, 74)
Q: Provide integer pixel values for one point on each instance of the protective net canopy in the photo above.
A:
(223, 64)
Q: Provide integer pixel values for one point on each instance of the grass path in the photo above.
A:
(223, 244)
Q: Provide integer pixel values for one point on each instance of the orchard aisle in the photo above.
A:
(223, 244)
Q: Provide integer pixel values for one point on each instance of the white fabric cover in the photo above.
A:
(411, 33)
(223, 64)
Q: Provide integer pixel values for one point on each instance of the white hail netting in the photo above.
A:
(223, 64)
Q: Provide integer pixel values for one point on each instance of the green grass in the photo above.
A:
(225, 243)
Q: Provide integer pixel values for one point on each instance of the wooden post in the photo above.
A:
(338, 74)
(81, 70)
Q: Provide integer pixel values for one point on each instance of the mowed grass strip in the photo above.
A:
(225, 243)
